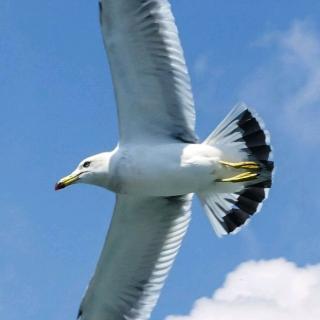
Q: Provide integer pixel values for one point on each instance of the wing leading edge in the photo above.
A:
(149, 73)
(142, 242)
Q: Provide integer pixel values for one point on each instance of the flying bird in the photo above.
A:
(159, 163)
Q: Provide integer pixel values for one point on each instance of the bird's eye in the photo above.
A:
(87, 164)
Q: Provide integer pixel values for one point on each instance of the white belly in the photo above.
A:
(164, 170)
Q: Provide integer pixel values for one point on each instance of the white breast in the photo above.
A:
(164, 170)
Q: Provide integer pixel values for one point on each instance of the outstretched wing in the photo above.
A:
(142, 242)
(149, 73)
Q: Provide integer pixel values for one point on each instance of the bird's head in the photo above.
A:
(92, 170)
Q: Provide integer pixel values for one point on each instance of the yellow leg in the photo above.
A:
(245, 176)
(250, 165)
(252, 171)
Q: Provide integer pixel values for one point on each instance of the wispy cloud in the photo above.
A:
(205, 76)
(264, 290)
(288, 84)
(201, 65)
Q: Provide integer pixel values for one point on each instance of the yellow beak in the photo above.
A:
(66, 181)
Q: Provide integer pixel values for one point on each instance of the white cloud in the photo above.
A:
(264, 290)
(288, 84)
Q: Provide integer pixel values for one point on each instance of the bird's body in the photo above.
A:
(162, 169)
(159, 163)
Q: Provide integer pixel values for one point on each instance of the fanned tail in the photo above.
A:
(245, 145)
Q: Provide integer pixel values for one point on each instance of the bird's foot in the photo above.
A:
(242, 177)
(247, 165)
(252, 171)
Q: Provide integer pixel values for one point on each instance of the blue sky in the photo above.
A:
(57, 107)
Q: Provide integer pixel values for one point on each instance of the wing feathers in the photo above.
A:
(141, 245)
(149, 72)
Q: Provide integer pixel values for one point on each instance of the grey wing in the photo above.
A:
(142, 242)
(149, 73)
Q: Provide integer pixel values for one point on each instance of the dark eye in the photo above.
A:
(87, 164)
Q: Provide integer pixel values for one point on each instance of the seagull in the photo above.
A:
(159, 163)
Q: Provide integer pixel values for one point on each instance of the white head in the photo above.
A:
(92, 170)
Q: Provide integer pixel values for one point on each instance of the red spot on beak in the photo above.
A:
(59, 186)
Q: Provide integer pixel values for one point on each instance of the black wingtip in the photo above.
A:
(79, 314)
(100, 11)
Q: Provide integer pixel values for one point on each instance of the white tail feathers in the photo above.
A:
(240, 137)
